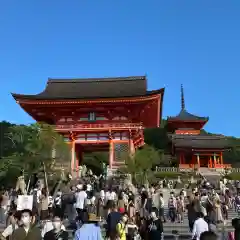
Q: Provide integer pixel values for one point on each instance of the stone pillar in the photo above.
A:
(111, 153)
(73, 156)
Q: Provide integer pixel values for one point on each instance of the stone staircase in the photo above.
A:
(183, 228)
(211, 175)
(117, 165)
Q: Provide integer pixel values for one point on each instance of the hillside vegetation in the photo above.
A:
(156, 138)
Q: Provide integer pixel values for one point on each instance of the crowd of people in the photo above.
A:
(92, 208)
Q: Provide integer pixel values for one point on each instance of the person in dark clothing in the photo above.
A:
(27, 231)
(155, 227)
(192, 216)
(208, 235)
(57, 232)
(236, 225)
(113, 219)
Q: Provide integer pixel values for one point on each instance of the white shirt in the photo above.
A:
(50, 201)
(102, 193)
(161, 202)
(80, 199)
(184, 193)
(89, 187)
(204, 199)
(39, 193)
(110, 196)
(200, 226)
(9, 230)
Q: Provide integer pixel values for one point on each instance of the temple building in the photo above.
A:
(192, 147)
(103, 114)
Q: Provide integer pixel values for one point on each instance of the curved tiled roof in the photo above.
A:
(92, 88)
(200, 141)
(184, 115)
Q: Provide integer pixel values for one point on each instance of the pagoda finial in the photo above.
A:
(182, 98)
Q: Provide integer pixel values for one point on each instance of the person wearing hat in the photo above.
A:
(90, 229)
(27, 231)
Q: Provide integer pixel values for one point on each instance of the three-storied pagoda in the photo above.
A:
(193, 148)
(106, 114)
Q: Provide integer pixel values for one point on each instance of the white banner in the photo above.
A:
(24, 202)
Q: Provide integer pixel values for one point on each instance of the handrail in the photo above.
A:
(97, 126)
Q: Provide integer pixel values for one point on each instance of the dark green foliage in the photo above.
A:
(95, 161)
(29, 148)
(19, 146)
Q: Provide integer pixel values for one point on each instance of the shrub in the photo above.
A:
(233, 176)
(169, 175)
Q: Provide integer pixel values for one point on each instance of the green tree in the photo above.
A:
(141, 165)
(36, 146)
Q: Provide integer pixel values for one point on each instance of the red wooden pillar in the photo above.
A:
(210, 161)
(73, 153)
(183, 158)
(221, 157)
(111, 153)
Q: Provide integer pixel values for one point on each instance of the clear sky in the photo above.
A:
(193, 42)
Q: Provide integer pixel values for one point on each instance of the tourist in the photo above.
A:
(27, 231)
(113, 219)
(209, 235)
(14, 223)
(121, 203)
(191, 213)
(57, 205)
(131, 208)
(199, 226)
(122, 227)
(155, 227)
(81, 197)
(91, 206)
(44, 213)
(110, 198)
(101, 205)
(58, 230)
(48, 225)
(172, 208)
(89, 230)
(161, 208)
(218, 211)
(180, 209)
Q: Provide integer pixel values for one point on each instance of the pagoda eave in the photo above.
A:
(174, 120)
(185, 148)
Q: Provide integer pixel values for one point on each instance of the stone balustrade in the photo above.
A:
(188, 169)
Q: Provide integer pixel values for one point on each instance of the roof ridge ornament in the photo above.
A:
(182, 98)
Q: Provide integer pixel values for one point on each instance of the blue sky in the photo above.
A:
(193, 42)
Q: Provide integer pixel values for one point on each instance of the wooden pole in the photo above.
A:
(45, 178)
(28, 185)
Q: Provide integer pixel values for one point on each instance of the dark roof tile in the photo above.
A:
(186, 116)
(200, 141)
(93, 88)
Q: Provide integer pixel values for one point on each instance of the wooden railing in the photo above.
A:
(225, 166)
(98, 126)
